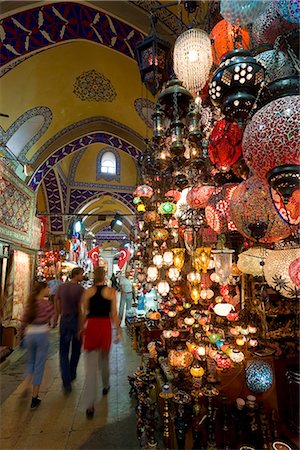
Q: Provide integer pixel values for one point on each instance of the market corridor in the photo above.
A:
(60, 421)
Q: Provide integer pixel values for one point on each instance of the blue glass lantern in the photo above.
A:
(289, 10)
(259, 376)
(242, 12)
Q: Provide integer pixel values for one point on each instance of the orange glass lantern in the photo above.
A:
(178, 260)
(181, 359)
(223, 36)
(201, 258)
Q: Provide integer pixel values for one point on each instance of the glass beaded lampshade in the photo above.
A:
(223, 39)
(289, 10)
(259, 376)
(242, 12)
(279, 265)
(271, 138)
(253, 214)
(217, 210)
(173, 274)
(225, 144)
(198, 196)
(252, 261)
(193, 58)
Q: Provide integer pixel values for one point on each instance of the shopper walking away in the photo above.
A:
(100, 309)
(35, 331)
(114, 282)
(68, 305)
(126, 294)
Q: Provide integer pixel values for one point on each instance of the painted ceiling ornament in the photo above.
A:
(145, 108)
(93, 86)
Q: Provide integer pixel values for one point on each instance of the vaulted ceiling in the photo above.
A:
(71, 87)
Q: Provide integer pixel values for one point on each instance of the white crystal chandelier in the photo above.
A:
(193, 58)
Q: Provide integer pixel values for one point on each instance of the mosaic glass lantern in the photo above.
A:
(235, 84)
(180, 359)
(289, 10)
(167, 208)
(197, 371)
(289, 212)
(168, 258)
(242, 12)
(223, 264)
(178, 259)
(276, 64)
(225, 37)
(198, 196)
(236, 356)
(217, 210)
(269, 25)
(143, 191)
(173, 274)
(253, 214)
(201, 259)
(259, 376)
(173, 194)
(252, 261)
(158, 261)
(159, 235)
(193, 58)
(279, 265)
(294, 272)
(223, 362)
(225, 144)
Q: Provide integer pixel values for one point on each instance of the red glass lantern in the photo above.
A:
(253, 214)
(223, 362)
(225, 144)
(271, 138)
(198, 196)
(225, 37)
(217, 210)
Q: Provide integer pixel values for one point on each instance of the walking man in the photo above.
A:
(126, 294)
(68, 305)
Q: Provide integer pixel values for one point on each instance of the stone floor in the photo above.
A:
(60, 421)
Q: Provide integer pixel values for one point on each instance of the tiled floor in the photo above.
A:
(60, 421)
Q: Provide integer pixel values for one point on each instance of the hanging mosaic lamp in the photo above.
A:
(167, 208)
(269, 25)
(225, 37)
(173, 194)
(198, 196)
(217, 210)
(159, 235)
(271, 144)
(276, 64)
(252, 261)
(143, 191)
(152, 273)
(235, 84)
(193, 58)
(173, 274)
(259, 376)
(289, 212)
(242, 12)
(279, 264)
(253, 214)
(289, 10)
(294, 271)
(225, 144)
(158, 261)
(201, 259)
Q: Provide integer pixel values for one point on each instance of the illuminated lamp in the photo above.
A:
(223, 309)
(143, 191)
(223, 362)
(136, 200)
(189, 320)
(194, 277)
(278, 268)
(213, 337)
(235, 84)
(253, 342)
(225, 37)
(240, 341)
(193, 58)
(223, 264)
(276, 64)
(172, 314)
(236, 356)
(242, 12)
(198, 196)
(163, 288)
(201, 350)
(201, 259)
(252, 329)
(173, 194)
(205, 280)
(180, 359)
(289, 10)
(271, 138)
(151, 216)
(253, 214)
(197, 371)
(178, 260)
(167, 208)
(269, 24)
(168, 258)
(289, 212)
(141, 207)
(259, 376)
(173, 274)
(195, 294)
(158, 261)
(225, 144)
(159, 235)
(252, 261)
(190, 239)
(207, 294)
(217, 210)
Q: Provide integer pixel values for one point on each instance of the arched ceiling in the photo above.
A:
(71, 87)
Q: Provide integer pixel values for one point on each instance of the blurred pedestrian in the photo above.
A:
(100, 309)
(38, 312)
(68, 306)
(126, 294)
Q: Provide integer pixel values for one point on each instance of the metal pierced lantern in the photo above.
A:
(153, 58)
(269, 25)
(235, 84)
(252, 261)
(271, 139)
(253, 214)
(225, 144)
(277, 269)
(217, 210)
(242, 12)
(198, 196)
(225, 37)
(259, 376)
(193, 58)
(289, 10)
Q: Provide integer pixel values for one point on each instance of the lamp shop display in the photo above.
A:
(217, 232)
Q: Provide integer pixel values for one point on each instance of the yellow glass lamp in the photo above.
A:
(201, 259)
(141, 207)
(178, 257)
(195, 294)
(197, 371)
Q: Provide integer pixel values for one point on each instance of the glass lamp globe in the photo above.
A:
(278, 269)
(193, 58)
(168, 258)
(178, 257)
(163, 288)
(259, 376)
(223, 309)
(158, 261)
(194, 277)
(152, 273)
(236, 356)
(173, 274)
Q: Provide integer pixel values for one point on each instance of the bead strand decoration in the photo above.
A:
(166, 395)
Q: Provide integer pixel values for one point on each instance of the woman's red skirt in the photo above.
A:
(97, 334)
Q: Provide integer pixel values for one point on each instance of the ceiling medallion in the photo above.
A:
(93, 86)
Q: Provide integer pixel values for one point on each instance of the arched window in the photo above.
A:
(108, 164)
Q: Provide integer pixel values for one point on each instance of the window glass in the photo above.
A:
(108, 163)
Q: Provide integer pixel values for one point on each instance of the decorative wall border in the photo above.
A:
(78, 197)
(54, 201)
(77, 144)
(46, 25)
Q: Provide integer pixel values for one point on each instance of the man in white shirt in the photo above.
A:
(126, 294)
